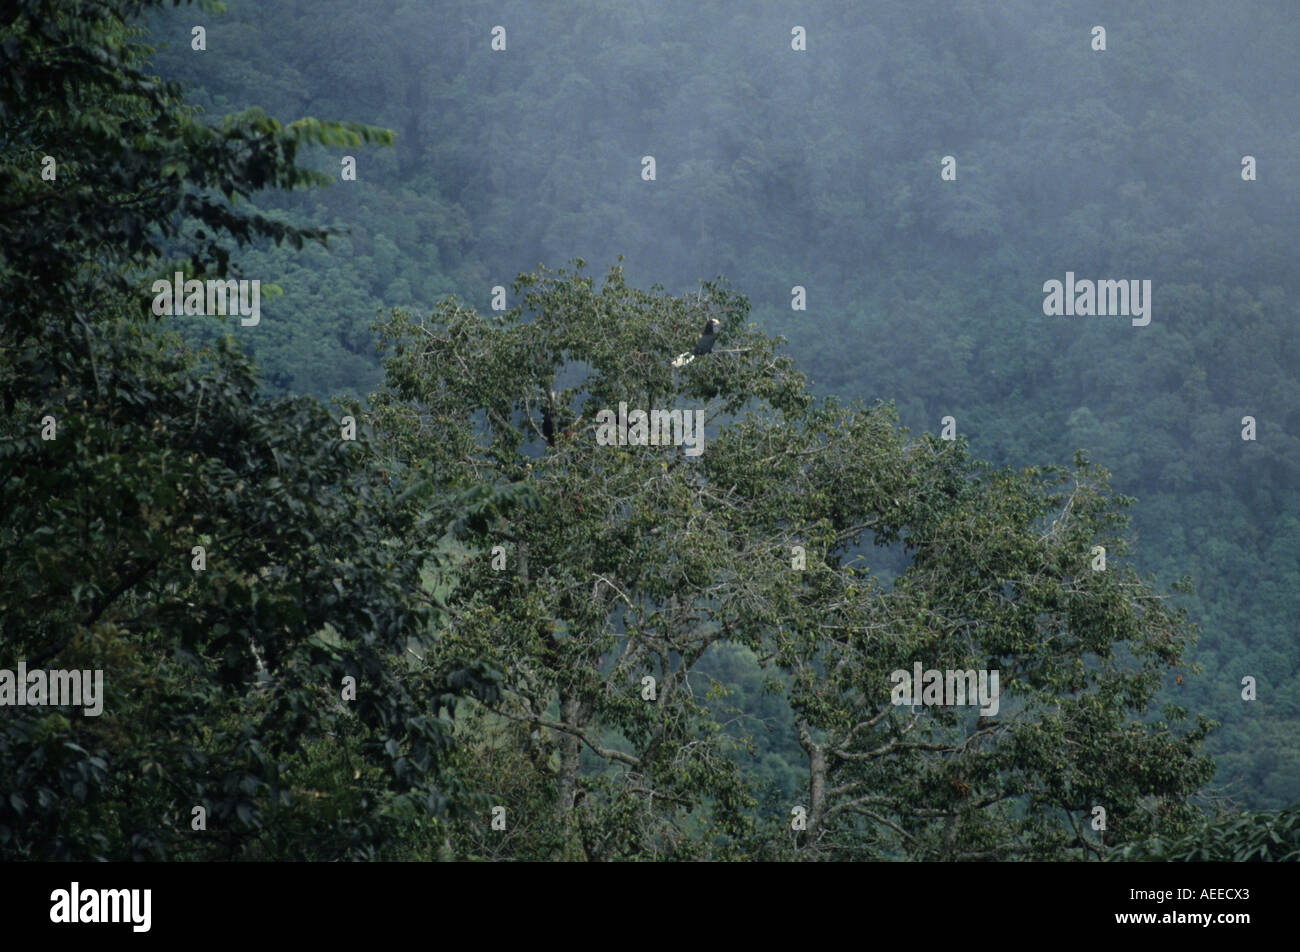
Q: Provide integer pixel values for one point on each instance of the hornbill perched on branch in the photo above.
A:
(705, 345)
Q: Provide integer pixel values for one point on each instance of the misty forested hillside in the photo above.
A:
(823, 170)
(597, 431)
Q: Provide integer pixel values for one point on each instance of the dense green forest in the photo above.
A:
(823, 171)
(498, 594)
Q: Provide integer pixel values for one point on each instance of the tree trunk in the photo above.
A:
(816, 789)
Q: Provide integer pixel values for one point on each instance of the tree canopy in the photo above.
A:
(768, 549)
(456, 614)
(226, 558)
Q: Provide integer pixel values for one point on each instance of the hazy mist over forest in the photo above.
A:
(597, 431)
(822, 169)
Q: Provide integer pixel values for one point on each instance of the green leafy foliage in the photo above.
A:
(822, 170)
(223, 678)
(641, 561)
(1267, 836)
(522, 687)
